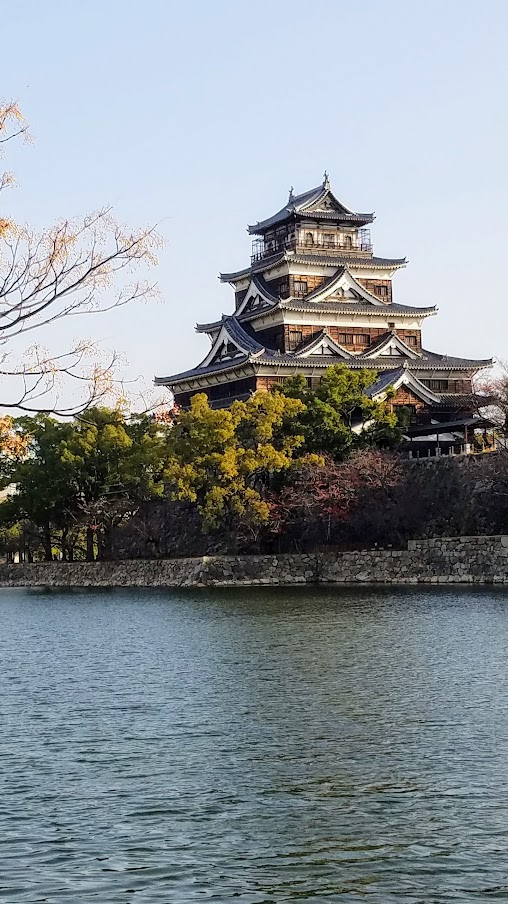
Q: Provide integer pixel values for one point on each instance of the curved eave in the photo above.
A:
(450, 361)
(354, 219)
(358, 362)
(201, 372)
(359, 263)
(330, 307)
(208, 327)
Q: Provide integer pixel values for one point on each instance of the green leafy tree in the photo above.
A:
(224, 460)
(117, 464)
(338, 416)
(80, 479)
(45, 495)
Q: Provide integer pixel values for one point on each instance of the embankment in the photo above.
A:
(466, 560)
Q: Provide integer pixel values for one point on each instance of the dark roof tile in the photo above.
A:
(299, 204)
(376, 263)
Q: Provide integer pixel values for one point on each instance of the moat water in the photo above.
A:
(264, 746)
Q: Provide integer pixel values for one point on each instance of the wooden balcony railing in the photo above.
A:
(260, 250)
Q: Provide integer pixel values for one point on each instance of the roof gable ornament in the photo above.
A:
(346, 288)
(231, 342)
(257, 296)
(391, 346)
(323, 344)
(402, 377)
(312, 202)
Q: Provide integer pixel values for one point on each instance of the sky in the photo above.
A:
(199, 116)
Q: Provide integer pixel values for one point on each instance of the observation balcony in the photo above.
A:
(306, 244)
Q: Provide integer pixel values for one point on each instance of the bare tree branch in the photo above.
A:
(74, 267)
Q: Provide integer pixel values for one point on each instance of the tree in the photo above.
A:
(318, 499)
(225, 460)
(45, 490)
(491, 397)
(67, 270)
(338, 416)
(78, 480)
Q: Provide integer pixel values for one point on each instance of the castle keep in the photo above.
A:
(315, 294)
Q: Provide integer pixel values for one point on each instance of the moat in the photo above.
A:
(257, 745)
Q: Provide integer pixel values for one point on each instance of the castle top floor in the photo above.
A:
(314, 222)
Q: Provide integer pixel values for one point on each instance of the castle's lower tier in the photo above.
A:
(428, 395)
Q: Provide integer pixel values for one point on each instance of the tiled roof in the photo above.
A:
(383, 365)
(458, 399)
(210, 327)
(384, 381)
(446, 426)
(390, 367)
(380, 364)
(218, 367)
(243, 338)
(299, 204)
(326, 307)
(376, 263)
(353, 307)
(450, 361)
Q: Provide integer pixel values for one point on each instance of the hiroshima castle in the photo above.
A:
(314, 295)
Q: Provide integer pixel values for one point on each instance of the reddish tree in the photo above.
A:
(322, 496)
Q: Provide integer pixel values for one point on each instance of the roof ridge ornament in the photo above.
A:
(326, 180)
(291, 194)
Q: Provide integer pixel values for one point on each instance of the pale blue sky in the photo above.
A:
(202, 114)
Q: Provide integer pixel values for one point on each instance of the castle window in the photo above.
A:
(349, 242)
(328, 240)
(345, 339)
(295, 337)
(438, 385)
(309, 238)
(361, 339)
(300, 287)
(381, 290)
(411, 340)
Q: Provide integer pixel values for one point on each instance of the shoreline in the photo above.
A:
(445, 560)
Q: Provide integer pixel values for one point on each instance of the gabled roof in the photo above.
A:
(258, 296)
(318, 203)
(401, 377)
(231, 334)
(233, 348)
(345, 281)
(391, 345)
(322, 344)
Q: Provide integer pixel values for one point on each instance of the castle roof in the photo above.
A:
(317, 203)
(295, 257)
(234, 347)
(324, 307)
(360, 307)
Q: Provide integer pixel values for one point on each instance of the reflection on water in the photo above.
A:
(254, 746)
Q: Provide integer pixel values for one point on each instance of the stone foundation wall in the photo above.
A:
(468, 560)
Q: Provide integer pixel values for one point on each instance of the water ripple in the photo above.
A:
(264, 747)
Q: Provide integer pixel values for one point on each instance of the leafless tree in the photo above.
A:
(73, 268)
